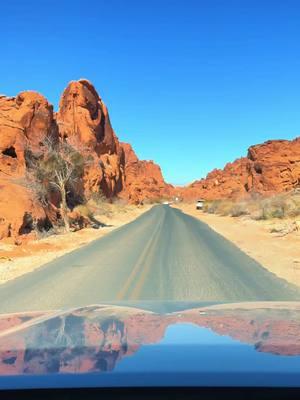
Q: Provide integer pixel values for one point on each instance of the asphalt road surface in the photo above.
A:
(162, 255)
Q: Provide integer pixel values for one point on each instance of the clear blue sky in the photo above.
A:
(191, 84)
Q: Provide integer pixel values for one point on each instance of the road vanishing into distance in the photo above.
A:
(162, 255)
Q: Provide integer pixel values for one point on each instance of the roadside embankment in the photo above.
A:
(17, 260)
(279, 254)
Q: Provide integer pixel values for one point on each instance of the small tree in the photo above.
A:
(60, 167)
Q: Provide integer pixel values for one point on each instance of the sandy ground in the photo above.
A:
(280, 255)
(18, 260)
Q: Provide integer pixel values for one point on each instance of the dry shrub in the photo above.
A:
(239, 209)
(273, 207)
(284, 205)
(99, 204)
(225, 207)
(103, 207)
(221, 207)
(84, 210)
(82, 216)
(211, 207)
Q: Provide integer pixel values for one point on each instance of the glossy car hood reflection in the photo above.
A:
(105, 338)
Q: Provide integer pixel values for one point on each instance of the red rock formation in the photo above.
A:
(113, 168)
(143, 179)
(274, 166)
(83, 120)
(25, 122)
(269, 168)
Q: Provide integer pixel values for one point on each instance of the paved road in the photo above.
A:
(162, 255)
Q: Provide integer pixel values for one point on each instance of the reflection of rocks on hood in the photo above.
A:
(95, 339)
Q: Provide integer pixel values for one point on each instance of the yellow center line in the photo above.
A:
(134, 295)
(138, 265)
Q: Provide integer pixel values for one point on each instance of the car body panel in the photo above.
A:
(246, 344)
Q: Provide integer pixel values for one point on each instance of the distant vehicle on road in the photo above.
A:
(200, 204)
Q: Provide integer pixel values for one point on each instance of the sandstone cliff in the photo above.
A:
(25, 122)
(143, 179)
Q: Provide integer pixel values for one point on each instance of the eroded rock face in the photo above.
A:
(143, 179)
(83, 120)
(19, 211)
(25, 122)
(269, 168)
(274, 166)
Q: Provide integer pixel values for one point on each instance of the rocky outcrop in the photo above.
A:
(269, 168)
(274, 166)
(143, 179)
(27, 123)
(83, 120)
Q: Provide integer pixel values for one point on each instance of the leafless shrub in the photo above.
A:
(239, 209)
(58, 169)
(211, 207)
(285, 205)
(99, 204)
(84, 210)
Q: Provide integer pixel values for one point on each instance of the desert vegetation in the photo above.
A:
(56, 178)
(284, 205)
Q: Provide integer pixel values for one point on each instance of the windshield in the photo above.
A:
(207, 90)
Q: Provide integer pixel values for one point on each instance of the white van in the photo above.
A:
(199, 204)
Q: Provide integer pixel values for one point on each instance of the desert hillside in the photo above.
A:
(269, 168)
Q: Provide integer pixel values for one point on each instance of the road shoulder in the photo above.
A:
(280, 255)
(19, 260)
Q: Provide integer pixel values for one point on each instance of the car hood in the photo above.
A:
(223, 344)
